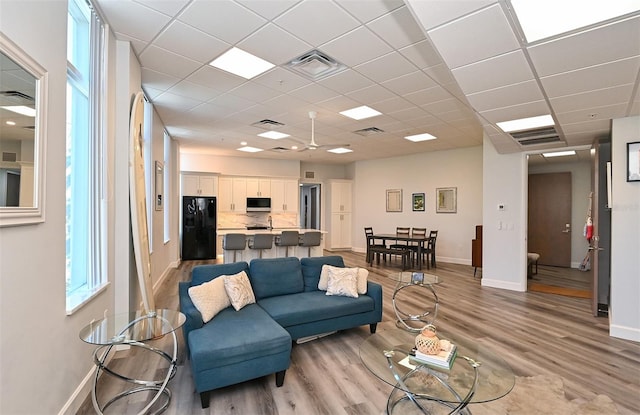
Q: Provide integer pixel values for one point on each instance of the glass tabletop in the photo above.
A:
(409, 277)
(136, 326)
(495, 376)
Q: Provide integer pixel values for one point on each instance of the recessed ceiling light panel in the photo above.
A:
(526, 123)
(360, 113)
(241, 63)
(559, 153)
(250, 149)
(420, 137)
(20, 109)
(274, 135)
(340, 150)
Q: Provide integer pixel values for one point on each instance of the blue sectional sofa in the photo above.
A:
(236, 346)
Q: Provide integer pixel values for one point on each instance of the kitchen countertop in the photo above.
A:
(275, 231)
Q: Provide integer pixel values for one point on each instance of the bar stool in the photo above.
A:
(287, 239)
(261, 241)
(234, 242)
(310, 239)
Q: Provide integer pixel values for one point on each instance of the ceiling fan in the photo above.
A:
(312, 144)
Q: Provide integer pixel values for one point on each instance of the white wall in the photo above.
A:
(421, 173)
(625, 235)
(238, 166)
(580, 189)
(504, 233)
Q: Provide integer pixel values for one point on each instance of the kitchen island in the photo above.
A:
(276, 251)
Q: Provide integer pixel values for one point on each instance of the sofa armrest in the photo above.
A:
(374, 290)
(193, 317)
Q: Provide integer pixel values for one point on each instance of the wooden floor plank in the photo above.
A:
(536, 333)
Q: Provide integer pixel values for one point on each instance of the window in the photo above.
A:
(85, 247)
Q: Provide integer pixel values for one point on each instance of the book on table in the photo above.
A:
(444, 359)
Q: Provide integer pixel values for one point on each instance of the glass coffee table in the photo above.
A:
(477, 375)
(134, 329)
(409, 316)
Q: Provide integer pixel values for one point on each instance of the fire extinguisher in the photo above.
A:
(588, 231)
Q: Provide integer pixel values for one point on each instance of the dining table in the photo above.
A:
(418, 242)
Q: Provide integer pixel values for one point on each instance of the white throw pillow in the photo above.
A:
(210, 298)
(239, 290)
(363, 275)
(343, 282)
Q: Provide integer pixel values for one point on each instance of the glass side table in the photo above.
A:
(478, 375)
(413, 319)
(134, 329)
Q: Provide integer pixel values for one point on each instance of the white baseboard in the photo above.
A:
(81, 393)
(622, 332)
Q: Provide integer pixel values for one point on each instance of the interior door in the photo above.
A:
(600, 245)
(550, 218)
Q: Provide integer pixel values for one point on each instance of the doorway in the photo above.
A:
(310, 198)
(558, 200)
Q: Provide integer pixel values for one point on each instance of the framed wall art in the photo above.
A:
(633, 162)
(394, 200)
(446, 200)
(418, 202)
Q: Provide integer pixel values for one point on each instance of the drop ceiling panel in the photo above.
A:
(600, 113)
(432, 13)
(195, 91)
(268, 9)
(343, 51)
(215, 78)
(158, 80)
(168, 7)
(422, 54)
(281, 80)
(526, 110)
(594, 77)
(507, 69)
(190, 42)
(587, 48)
(386, 67)
(367, 10)
(476, 37)
(261, 43)
(408, 83)
(590, 99)
(596, 127)
(173, 101)
(393, 104)
(506, 96)
(398, 28)
(316, 22)
(373, 93)
(134, 20)
(345, 82)
(155, 58)
(315, 92)
(427, 96)
(254, 92)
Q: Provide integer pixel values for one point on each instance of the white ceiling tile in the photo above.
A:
(254, 92)
(514, 112)
(339, 103)
(584, 138)
(427, 96)
(587, 48)
(435, 108)
(155, 58)
(398, 28)
(168, 7)
(507, 69)
(158, 80)
(422, 54)
(594, 77)
(606, 96)
(386, 67)
(369, 94)
(223, 19)
(345, 82)
(392, 105)
(261, 43)
(367, 10)
(588, 114)
(232, 102)
(151, 93)
(595, 127)
(192, 43)
(215, 78)
(316, 22)
(134, 20)
(189, 89)
(441, 74)
(506, 97)
(137, 44)
(269, 9)
(314, 92)
(281, 80)
(432, 13)
(406, 84)
(475, 37)
(411, 113)
(370, 47)
(173, 101)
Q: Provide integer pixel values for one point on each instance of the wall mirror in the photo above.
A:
(23, 89)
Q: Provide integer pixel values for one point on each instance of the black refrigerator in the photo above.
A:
(198, 227)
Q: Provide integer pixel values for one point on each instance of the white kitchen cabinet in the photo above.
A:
(258, 187)
(339, 217)
(232, 195)
(284, 196)
(199, 185)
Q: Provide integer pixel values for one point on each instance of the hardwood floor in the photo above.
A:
(535, 333)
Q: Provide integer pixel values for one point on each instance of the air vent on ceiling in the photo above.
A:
(315, 65)
(280, 149)
(536, 136)
(16, 94)
(309, 175)
(8, 156)
(369, 131)
(267, 124)
(29, 127)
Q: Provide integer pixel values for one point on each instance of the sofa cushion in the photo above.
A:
(210, 298)
(363, 275)
(237, 336)
(239, 290)
(312, 267)
(275, 276)
(310, 306)
(343, 281)
(204, 273)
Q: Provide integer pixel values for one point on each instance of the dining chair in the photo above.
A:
(430, 250)
(401, 246)
(417, 233)
(368, 233)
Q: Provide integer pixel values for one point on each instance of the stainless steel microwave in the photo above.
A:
(258, 204)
